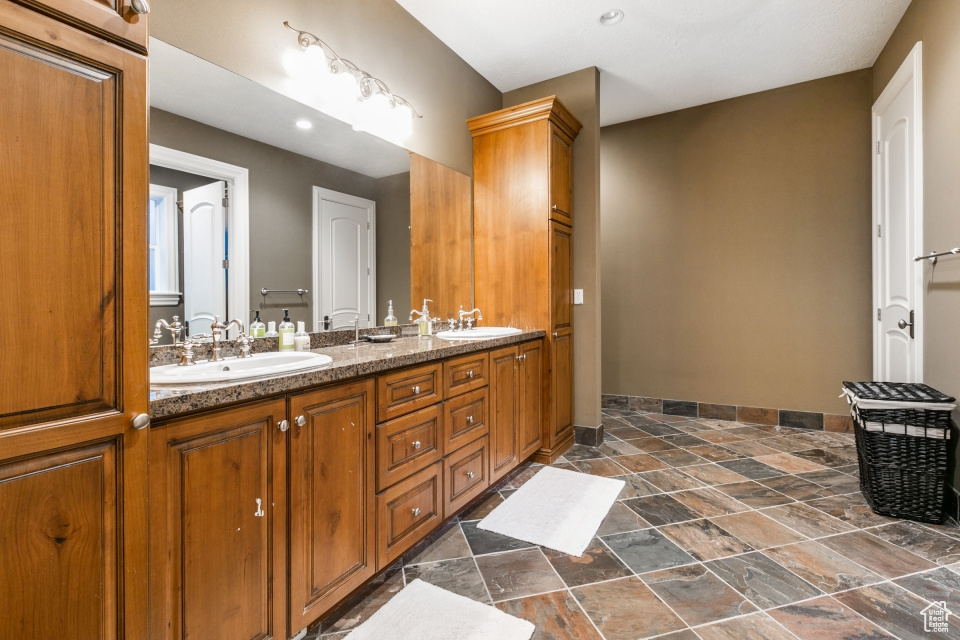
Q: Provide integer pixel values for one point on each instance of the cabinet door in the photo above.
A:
(560, 340)
(73, 174)
(561, 387)
(503, 412)
(561, 277)
(114, 20)
(530, 398)
(561, 178)
(332, 510)
(218, 516)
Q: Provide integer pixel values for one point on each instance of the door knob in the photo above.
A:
(416, 390)
(415, 511)
(416, 445)
(300, 420)
(556, 334)
(470, 474)
(140, 6)
(903, 324)
(470, 373)
(469, 419)
(283, 425)
(140, 422)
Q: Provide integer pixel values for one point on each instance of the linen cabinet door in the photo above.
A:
(120, 21)
(503, 412)
(560, 340)
(530, 398)
(332, 502)
(218, 519)
(561, 178)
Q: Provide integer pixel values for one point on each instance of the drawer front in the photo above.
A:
(465, 475)
(406, 512)
(408, 444)
(465, 419)
(465, 374)
(408, 390)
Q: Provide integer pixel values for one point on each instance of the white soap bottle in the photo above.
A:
(271, 330)
(286, 332)
(301, 339)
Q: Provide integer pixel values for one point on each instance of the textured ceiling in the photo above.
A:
(666, 54)
(188, 86)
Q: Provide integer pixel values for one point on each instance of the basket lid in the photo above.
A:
(897, 392)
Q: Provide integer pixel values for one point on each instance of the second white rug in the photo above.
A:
(557, 509)
(422, 611)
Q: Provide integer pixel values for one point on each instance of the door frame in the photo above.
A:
(319, 194)
(910, 69)
(238, 219)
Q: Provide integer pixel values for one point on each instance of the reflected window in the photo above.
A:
(162, 250)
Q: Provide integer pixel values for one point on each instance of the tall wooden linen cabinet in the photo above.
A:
(73, 349)
(523, 241)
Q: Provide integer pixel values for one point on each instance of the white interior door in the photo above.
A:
(204, 249)
(898, 207)
(344, 259)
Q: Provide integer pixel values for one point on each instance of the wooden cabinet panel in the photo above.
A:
(332, 509)
(218, 518)
(408, 390)
(561, 178)
(465, 374)
(59, 545)
(114, 20)
(530, 398)
(465, 475)
(503, 412)
(406, 512)
(465, 419)
(561, 387)
(408, 444)
(561, 277)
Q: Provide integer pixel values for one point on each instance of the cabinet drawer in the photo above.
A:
(465, 475)
(408, 390)
(408, 444)
(465, 374)
(406, 512)
(465, 419)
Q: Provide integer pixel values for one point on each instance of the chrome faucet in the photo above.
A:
(217, 333)
(467, 314)
(175, 328)
(243, 340)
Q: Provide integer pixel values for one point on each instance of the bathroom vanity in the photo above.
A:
(273, 500)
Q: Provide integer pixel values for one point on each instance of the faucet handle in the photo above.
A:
(452, 324)
(244, 341)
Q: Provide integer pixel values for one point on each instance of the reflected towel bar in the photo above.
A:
(934, 255)
(299, 292)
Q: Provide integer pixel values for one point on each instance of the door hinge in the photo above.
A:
(878, 146)
(879, 231)
(368, 317)
(226, 264)
(368, 270)
(878, 314)
(226, 195)
(368, 225)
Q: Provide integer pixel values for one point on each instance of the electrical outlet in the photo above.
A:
(578, 296)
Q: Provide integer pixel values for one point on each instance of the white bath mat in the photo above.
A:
(557, 509)
(422, 611)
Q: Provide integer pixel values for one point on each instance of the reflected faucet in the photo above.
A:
(467, 314)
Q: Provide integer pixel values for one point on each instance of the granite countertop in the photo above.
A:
(348, 362)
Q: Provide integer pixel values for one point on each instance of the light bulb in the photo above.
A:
(372, 115)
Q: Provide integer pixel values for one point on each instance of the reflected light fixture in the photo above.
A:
(611, 17)
(304, 124)
(367, 100)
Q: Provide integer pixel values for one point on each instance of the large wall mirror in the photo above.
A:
(254, 192)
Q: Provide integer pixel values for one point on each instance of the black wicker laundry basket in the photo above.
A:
(902, 437)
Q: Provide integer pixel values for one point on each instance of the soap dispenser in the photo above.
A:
(301, 339)
(423, 321)
(286, 332)
(257, 328)
(271, 330)
(390, 320)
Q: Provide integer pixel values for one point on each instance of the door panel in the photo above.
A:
(561, 178)
(530, 398)
(204, 249)
(59, 545)
(503, 412)
(345, 258)
(332, 510)
(561, 277)
(561, 383)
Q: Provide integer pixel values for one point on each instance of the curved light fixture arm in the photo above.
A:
(369, 85)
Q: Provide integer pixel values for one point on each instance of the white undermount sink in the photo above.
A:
(479, 333)
(256, 366)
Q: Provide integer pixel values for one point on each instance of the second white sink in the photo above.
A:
(479, 333)
(259, 365)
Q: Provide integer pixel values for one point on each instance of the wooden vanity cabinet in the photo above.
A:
(523, 244)
(218, 523)
(333, 523)
(73, 469)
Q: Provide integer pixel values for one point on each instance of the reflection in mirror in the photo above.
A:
(244, 200)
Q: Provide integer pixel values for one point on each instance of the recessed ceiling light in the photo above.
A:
(611, 17)
(304, 124)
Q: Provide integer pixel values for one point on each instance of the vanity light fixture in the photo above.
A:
(304, 124)
(375, 108)
(611, 17)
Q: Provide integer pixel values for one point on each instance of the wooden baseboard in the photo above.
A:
(549, 456)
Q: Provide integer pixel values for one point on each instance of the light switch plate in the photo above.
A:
(578, 296)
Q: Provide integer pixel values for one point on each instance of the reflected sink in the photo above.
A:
(256, 366)
(479, 333)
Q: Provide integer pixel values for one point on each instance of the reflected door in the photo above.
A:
(204, 252)
(344, 255)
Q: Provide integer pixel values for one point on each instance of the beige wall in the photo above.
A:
(580, 92)
(937, 24)
(281, 213)
(248, 38)
(736, 253)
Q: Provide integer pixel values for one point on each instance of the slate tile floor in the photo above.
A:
(723, 531)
